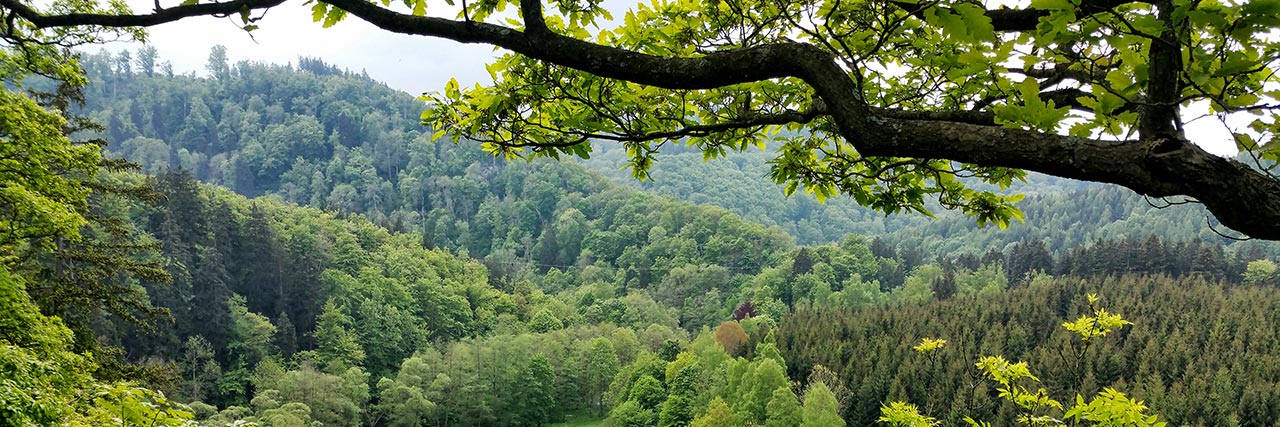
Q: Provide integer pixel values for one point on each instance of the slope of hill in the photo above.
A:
(429, 281)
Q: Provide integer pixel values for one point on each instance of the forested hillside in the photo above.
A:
(1198, 353)
(382, 279)
(324, 137)
(1062, 213)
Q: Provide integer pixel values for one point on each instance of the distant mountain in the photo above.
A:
(1061, 213)
(315, 135)
(740, 183)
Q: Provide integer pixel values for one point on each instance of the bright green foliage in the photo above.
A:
(783, 409)
(128, 405)
(41, 378)
(534, 396)
(648, 392)
(900, 414)
(395, 295)
(43, 383)
(718, 415)
(1035, 403)
(929, 345)
(757, 389)
(1099, 324)
(406, 401)
(667, 29)
(336, 346)
(602, 364)
(1188, 376)
(544, 321)
(200, 369)
(1112, 408)
(251, 334)
(292, 414)
(683, 360)
(1261, 271)
(631, 414)
(820, 408)
(41, 167)
(334, 399)
(678, 410)
(1017, 385)
(768, 349)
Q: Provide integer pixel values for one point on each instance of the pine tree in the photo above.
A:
(336, 346)
(286, 336)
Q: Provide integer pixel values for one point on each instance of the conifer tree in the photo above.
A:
(336, 346)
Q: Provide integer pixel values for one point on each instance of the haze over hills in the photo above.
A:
(320, 136)
(383, 279)
(1061, 211)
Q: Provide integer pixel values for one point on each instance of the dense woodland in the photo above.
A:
(303, 254)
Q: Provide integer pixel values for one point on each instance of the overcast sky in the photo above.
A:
(410, 63)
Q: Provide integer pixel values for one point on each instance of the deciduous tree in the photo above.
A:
(885, 101)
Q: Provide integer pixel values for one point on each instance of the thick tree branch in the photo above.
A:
(160, 16)
(1240, 197)
(1158, 118)
(531, 11)
(1015, 20)
(748, 122)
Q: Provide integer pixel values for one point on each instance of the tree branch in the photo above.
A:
(1240, 197)
(160, 16)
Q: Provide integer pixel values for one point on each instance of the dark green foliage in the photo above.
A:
(648, 392)
(579, 288)
(533, 399)
(669, 350)
(783, 409)
(631, 414)
(678, 410)
(1188, 336)
(602, 364)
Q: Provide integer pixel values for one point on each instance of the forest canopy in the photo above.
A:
(888, 102)
(382, 279)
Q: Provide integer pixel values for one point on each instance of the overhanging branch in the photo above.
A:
(1240, 197)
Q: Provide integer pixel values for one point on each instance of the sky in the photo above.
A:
(413, 64)
(410, 63)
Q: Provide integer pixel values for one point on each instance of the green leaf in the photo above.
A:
(977, 23)
(1053, 4)
(318, 11)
